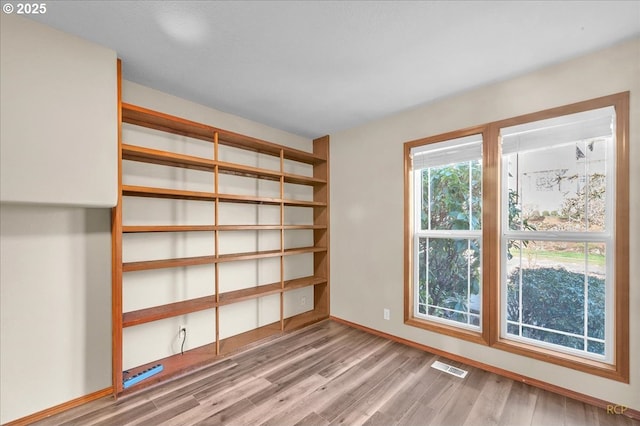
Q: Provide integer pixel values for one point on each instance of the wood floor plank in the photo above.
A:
(369, 379)
(550, 410)
(168, 412)
(368, 405)
(281, 401)
(379, 419)
(227, 415)
(457, 408)
(399, 405)
(332, 374)
(208, 408)
(520, 405)
(489, 405)
(575, 413)
(127, 416)
(313, 419)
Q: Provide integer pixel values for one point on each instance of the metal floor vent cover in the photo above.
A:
(449, 369)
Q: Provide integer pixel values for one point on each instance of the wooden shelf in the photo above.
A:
(172, 159)
(296, 227)
(248, 227)
(168, 228)
(167, 123)
(211, 228)
(156, 313)
(146, 191)
(244, 340)
(302, 203)
(167, 263)
(303, 250)
(248, 199)
(166, 158)
(164, 122)
(248, 255)
(303, 180)
(248, 171)
(173, 365)
(203, 260)
(248, 293)
(209, 222)
(303, 282)
(304, 319)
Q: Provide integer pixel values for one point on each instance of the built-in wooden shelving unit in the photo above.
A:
(318, 181)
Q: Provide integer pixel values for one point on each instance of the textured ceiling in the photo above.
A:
(317, 67)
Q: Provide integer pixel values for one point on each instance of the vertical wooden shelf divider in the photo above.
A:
(116, 260)
(318, 179)
(282, 240)
(216, 175)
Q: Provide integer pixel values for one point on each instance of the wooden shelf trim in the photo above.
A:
(204, 228)
(248, 171)
(249, 199)
(174, 159)
(243, 340)
(166, 158)
(303, 180)
(167, 263)
(144, 117)
(302, 203)
(204, 260)
(164, 122)
(153, 192)
(156, 313)
(303, 282)
(304, 319)
(147, 191)
(206, 354)
(173, 365)
(248, 293)
(167, 228)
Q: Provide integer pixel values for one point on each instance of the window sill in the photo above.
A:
(574, 362)
(469, 335)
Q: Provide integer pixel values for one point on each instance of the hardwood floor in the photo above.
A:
(332, 374)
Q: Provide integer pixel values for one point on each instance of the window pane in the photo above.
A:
(552, 286)
(449, 279)
(556, 172)
(452, 196)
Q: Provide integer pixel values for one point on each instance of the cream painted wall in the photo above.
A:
(59, 117)
(148, 342)
(367, 206)
(55, 292)
(55, 306)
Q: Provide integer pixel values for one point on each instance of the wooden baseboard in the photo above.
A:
(60, 408)
(628, 412)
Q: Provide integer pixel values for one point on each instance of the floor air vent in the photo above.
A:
(449, 369)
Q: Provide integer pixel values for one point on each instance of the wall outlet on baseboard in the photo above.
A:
(303, 301)
(386, 314)
(180, 328)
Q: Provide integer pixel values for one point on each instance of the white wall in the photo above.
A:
(59, 117)
(367, 206)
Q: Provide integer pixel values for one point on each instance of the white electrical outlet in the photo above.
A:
(303, 301)
(180, 328)
(386, 314)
